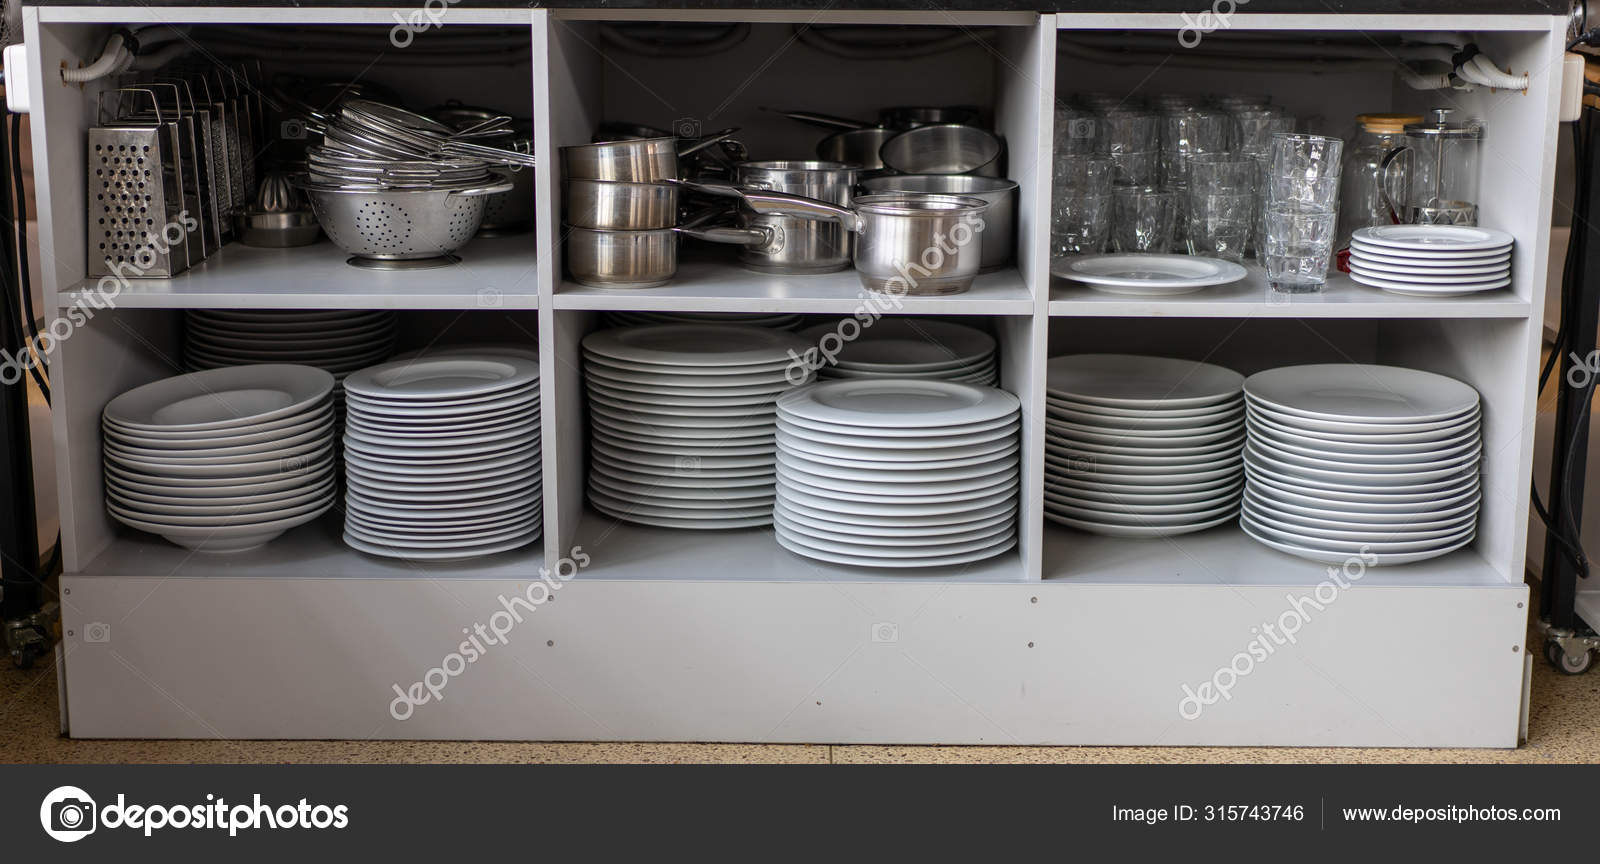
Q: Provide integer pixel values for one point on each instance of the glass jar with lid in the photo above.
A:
(1362, 199)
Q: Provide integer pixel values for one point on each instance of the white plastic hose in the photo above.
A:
(1469, 73)
(1419, 81)
(1494, 77)
(111, 57)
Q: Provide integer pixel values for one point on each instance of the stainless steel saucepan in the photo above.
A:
(641, 259)
(633, 160)
(906, 244)
(944, 149)
(999, 233)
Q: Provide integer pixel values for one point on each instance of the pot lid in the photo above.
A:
(1391, 124)
(1441, 127)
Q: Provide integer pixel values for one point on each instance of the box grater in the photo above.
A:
(133, 196)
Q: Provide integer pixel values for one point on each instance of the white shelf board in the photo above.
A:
(313, 551)
(1225, 556)
(626, 552)
(710, 283)
(1250, 297)
(494, 273)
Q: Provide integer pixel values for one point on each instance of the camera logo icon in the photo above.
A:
(885, 632)
(292, 130)
(686, 127)
(491, 297)
(68, 814)
(689, 465)
(97, 631)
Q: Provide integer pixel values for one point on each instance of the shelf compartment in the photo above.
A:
(1225, 557)
(714, 284)
(311, 551)
(494, 273)
(625, 551)
(1250, 296)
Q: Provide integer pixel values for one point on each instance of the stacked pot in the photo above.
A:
(621, 208)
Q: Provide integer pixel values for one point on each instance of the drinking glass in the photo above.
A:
(1078, 175)
(1219, 224)
(1298, 246)
(1221, 173)
(1144, 219)
(1077, 131)
(1137, 168)
(1125, 131)
(1253, 128)
(1305, 168)
(1195, 130)
(1080, 224)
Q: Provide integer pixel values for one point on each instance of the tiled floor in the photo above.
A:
(1565, 727)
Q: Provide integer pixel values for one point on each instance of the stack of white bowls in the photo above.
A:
(682, 421)
(1142, 446)
(442, 454)
(904, 348)
(903, 473)
(1352, 462)
(224, 460)
(780, 320)
(1431, 260)
(338, 341)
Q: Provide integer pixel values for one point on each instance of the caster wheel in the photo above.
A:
(1576, 666)
(1553, 654)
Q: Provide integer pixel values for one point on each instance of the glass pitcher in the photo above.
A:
(1366, 188)
(1442, 170)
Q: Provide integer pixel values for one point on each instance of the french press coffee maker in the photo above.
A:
(1441, 171)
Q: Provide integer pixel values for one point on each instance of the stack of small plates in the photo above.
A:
(224, 460)
(1351, 462)
(1142, 446)
(442, 454)
(897, 472)
(780, 320)
(1431, 260)
(339, 341)
(682, 421)
(904, 348)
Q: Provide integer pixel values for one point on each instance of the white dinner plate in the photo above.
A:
(1112, 476)
(1361, 393)
(800, 425)
(625, 508)
(1391, 269)
(1354, 543)
(652, 432)
(991, 518)
(695, 344)
(943, 457)
(914, 402)
(686, 449)
(251, 510)
(1316, 517)
(1380, 258)
(1412, 286)
(1418, 493)
(1137, 531)
(1147, 274)
(776, 367)
(1059, 402)
(789, 479)
(1428, 238)
(803, 543)
(1367, 464)
(221, 399)
(1261, 423)
(1162, 496)
(1442, 256)
(320, 433)
(1369, 556)
(1230, 495)
(645, 382)
(930, 444)
(992, 529)
(906, 512)
(1152, 439)
(1364, 430)
(693, 523)
(454, 376)
(245, 436)
(1369, 454)
(1104, 423)
(1136, 381)
(1475, 276)
(386, 551)
(236, 537)
(1370, 477)
(860, 561)
(900, 344)
(685, 398)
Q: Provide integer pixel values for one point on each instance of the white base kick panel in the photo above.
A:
(824, 662)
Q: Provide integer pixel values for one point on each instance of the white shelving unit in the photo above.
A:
(667, 635)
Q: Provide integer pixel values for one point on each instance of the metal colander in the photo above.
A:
(400, 225)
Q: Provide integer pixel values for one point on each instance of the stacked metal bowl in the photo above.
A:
(399, 190)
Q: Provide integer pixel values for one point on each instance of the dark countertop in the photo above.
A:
(1524, 7)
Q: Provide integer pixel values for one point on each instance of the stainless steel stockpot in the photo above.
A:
(640, 259)
(621, 206)
(800, 245)
(858, 147)
(905, 243)
(948, 148)
(999, 232)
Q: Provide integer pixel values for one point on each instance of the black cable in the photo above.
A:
(30, 320)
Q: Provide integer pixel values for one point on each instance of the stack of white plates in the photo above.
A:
(1142, 446)
(338, 341)
(780, 320)
(442, 454)
(224, 460)
(1348, 462)
(1431, 260)
(897, 473)
(904, 348)
(682, 421)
